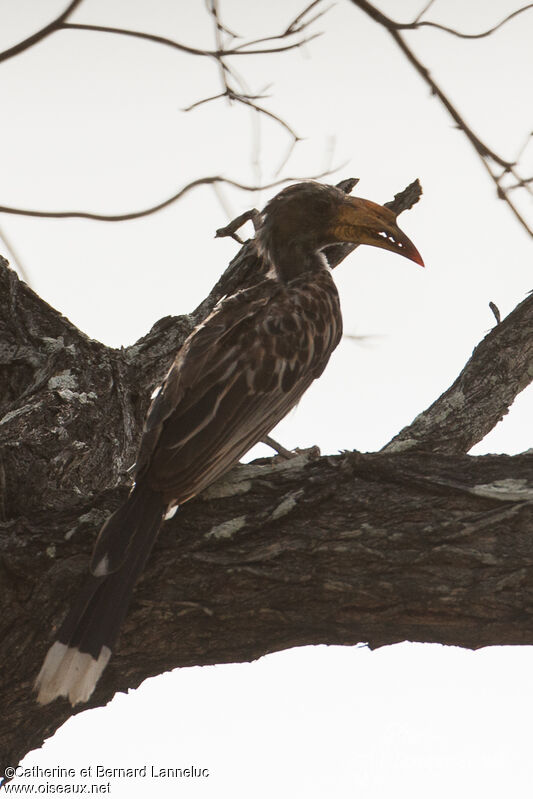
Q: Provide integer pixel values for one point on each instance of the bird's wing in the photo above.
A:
(237, 375)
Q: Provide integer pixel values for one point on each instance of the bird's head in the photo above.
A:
(309, 216)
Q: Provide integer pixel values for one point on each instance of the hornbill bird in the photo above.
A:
(235, 377)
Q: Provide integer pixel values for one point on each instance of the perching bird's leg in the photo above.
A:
(285, 453)
(242, 369)
(231, 228)
(311, 452)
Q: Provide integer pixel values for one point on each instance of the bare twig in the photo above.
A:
(298, 25)
(390, 24)
(212, 7)
(218, 96)
(270, 115)
(488, 157)
(152, 37)
(41, 34)
(295, 27)
(234, 89)
(229, 75)
(164, 40)
(5, 209)
(406, 199)
(224, 70)
(222, 200)
(525, 144)
(249, 100)
(521, 183)
(426, 8)
(454, 32)
(496, 311)
(500, 367)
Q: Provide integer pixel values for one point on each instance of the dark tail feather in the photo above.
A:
(75, 662)
(142, 509)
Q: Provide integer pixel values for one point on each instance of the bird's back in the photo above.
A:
(235, 378)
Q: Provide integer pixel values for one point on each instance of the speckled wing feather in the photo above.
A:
(235, 377)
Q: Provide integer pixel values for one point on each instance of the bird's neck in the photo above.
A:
(290, 260)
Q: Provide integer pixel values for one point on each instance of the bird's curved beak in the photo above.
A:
(363, 222)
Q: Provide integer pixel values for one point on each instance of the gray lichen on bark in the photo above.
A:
(417, 542)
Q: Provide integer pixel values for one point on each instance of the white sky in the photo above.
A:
(94, 122)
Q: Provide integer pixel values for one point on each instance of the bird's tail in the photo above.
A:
(75, 662)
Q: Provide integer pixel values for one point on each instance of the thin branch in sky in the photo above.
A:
(163, 40)
(489, 158)
(256, 147)
(503, 194)
(298, 24)
(295, 27)
(41, 34)
(205, 100)
(261, 110)
(329, 151)
(390, 24)
(454, 32)
(522, 183)
(523, 148)
(234, 88)
(426, 8)
(61, 23)
(224, 70)
(224, 203)
(481, 148)
(205, 181)
(286, 157)
(212, 7)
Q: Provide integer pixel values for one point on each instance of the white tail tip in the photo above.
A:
(69, 673)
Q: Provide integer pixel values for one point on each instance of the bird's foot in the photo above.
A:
(312, 452)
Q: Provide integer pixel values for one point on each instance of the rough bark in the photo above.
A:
(377, 548)
(501, 366)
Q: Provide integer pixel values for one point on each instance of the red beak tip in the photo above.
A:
(417, 258)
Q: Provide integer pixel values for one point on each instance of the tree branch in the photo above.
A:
(454, 32)
(227, 74)
(205, 181)
(60, 23)
(185, 48)
(501, 367)
(390, 24)
(282, 555)
(52, 27)
(485, 153)
(276, 554)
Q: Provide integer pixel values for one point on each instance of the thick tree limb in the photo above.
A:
(375, 548)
